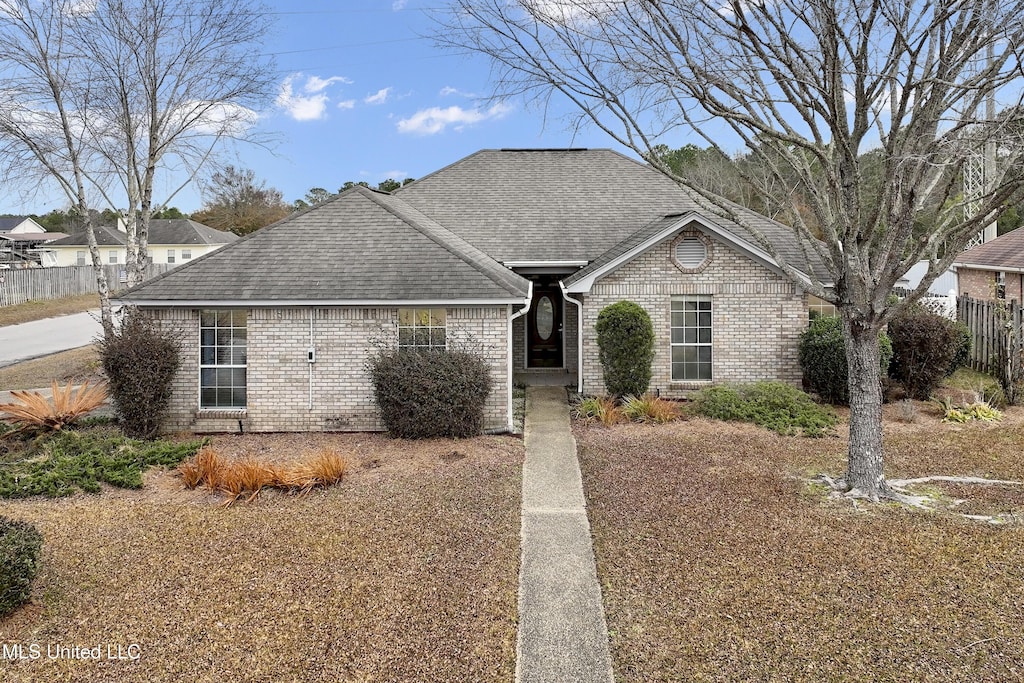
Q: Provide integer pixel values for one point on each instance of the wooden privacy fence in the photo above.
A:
(995, 330)
(19, 285)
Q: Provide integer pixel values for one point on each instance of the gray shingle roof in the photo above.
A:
(1005, 251)
(362, 246)
(569, 205)
(161, 231)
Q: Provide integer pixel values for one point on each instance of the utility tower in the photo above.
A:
(980, 169)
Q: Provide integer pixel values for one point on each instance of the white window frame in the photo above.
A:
(80, 259)
(170, 256)
(819, 308)
(223, 358)
(691, 336)
(423, 328)
(186, 254)
(112, 257)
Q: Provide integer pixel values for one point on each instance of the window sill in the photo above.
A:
(684, 386)
(221, 413)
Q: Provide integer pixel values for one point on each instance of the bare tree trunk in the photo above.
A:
(865, 474)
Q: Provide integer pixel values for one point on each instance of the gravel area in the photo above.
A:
(406, 571)
(719, 563)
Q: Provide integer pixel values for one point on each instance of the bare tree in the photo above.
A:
(102, 98)
(808, 86)
(238, 203)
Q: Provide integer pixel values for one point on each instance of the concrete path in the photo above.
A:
(563, 636)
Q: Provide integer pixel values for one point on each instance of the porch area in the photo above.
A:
(546, 377)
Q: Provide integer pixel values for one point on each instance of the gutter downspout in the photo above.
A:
(579, 336)
(310, 358)
(512, 316)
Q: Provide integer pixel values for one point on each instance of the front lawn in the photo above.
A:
(719, 562)
(405, 571)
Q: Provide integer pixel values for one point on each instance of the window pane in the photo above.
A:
(690, 335)
(207, 319)
(704, 319)
(207, 376)
(690, 305)
(437, 317)
(405, 317)
(677, 335)
(677, 316)
(704, 372)
(421, 336)
(208, 398)
(704, 336)
(437, 337)
(677, 354)
(208, 356)
(404, 336)
(689, 319)
(238, 355)
(704, 354)
(224, 355)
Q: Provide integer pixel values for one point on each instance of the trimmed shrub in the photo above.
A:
(20, 544)
(140, 360)
(823, 359)
(773, 405)
(430, 393)
(625, 339)
(924, 345)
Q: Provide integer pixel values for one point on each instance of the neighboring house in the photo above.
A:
(993, 270)
(512, 251)
(21, 239)
(172, 241)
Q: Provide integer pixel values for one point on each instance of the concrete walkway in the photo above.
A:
(563, 636)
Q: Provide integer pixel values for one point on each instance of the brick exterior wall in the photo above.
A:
(757, 316)
(981, 284)
(569, 339)
(280, 383)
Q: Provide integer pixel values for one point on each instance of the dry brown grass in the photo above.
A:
(63, 407)
(49, 308)
(405, 571)
(75, 365)
(720, 563)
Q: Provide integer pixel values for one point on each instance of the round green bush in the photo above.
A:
(20, 544)
(823, 359)
(924, 346)
(423, 394)
(772, 405)
(625, 339)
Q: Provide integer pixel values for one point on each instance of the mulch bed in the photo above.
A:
(406, 571)
(720, 563)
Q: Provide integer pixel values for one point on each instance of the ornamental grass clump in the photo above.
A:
(251, 475)
(602, 409)
(34, 412)
(648, 408)
(20, 545)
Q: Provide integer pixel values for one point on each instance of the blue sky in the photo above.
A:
(363, 96)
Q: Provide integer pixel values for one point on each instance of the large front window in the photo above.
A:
(422, 328)
(222, 359)
(691, 338)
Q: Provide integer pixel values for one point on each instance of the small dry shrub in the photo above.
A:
(648, 408)
(907, 411)
(35, 412)
(325, 468)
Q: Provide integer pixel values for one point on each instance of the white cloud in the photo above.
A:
(346, 104)
(399, 5)
(311, 106)
(379, 97)
(435, 119)
(448, 90)
(315, 84)
(219, 118)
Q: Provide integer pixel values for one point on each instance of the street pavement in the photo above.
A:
(51, 335)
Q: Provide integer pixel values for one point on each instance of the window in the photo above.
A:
(222, 360)
(819, 308)
(111, 257)
(80, 258)
(422, 328)
(691, 338)
(186, 254)
(170, 256)
(1001, 285)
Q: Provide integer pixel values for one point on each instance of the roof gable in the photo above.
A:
(362, 247)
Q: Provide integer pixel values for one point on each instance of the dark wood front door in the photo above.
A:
(544, 327)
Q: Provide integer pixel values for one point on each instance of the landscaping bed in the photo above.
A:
(719, 561)
(405, 571)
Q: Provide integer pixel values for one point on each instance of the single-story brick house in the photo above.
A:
(518, 250)
(993, 270)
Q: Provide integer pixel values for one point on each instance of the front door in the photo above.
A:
(544, 326)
